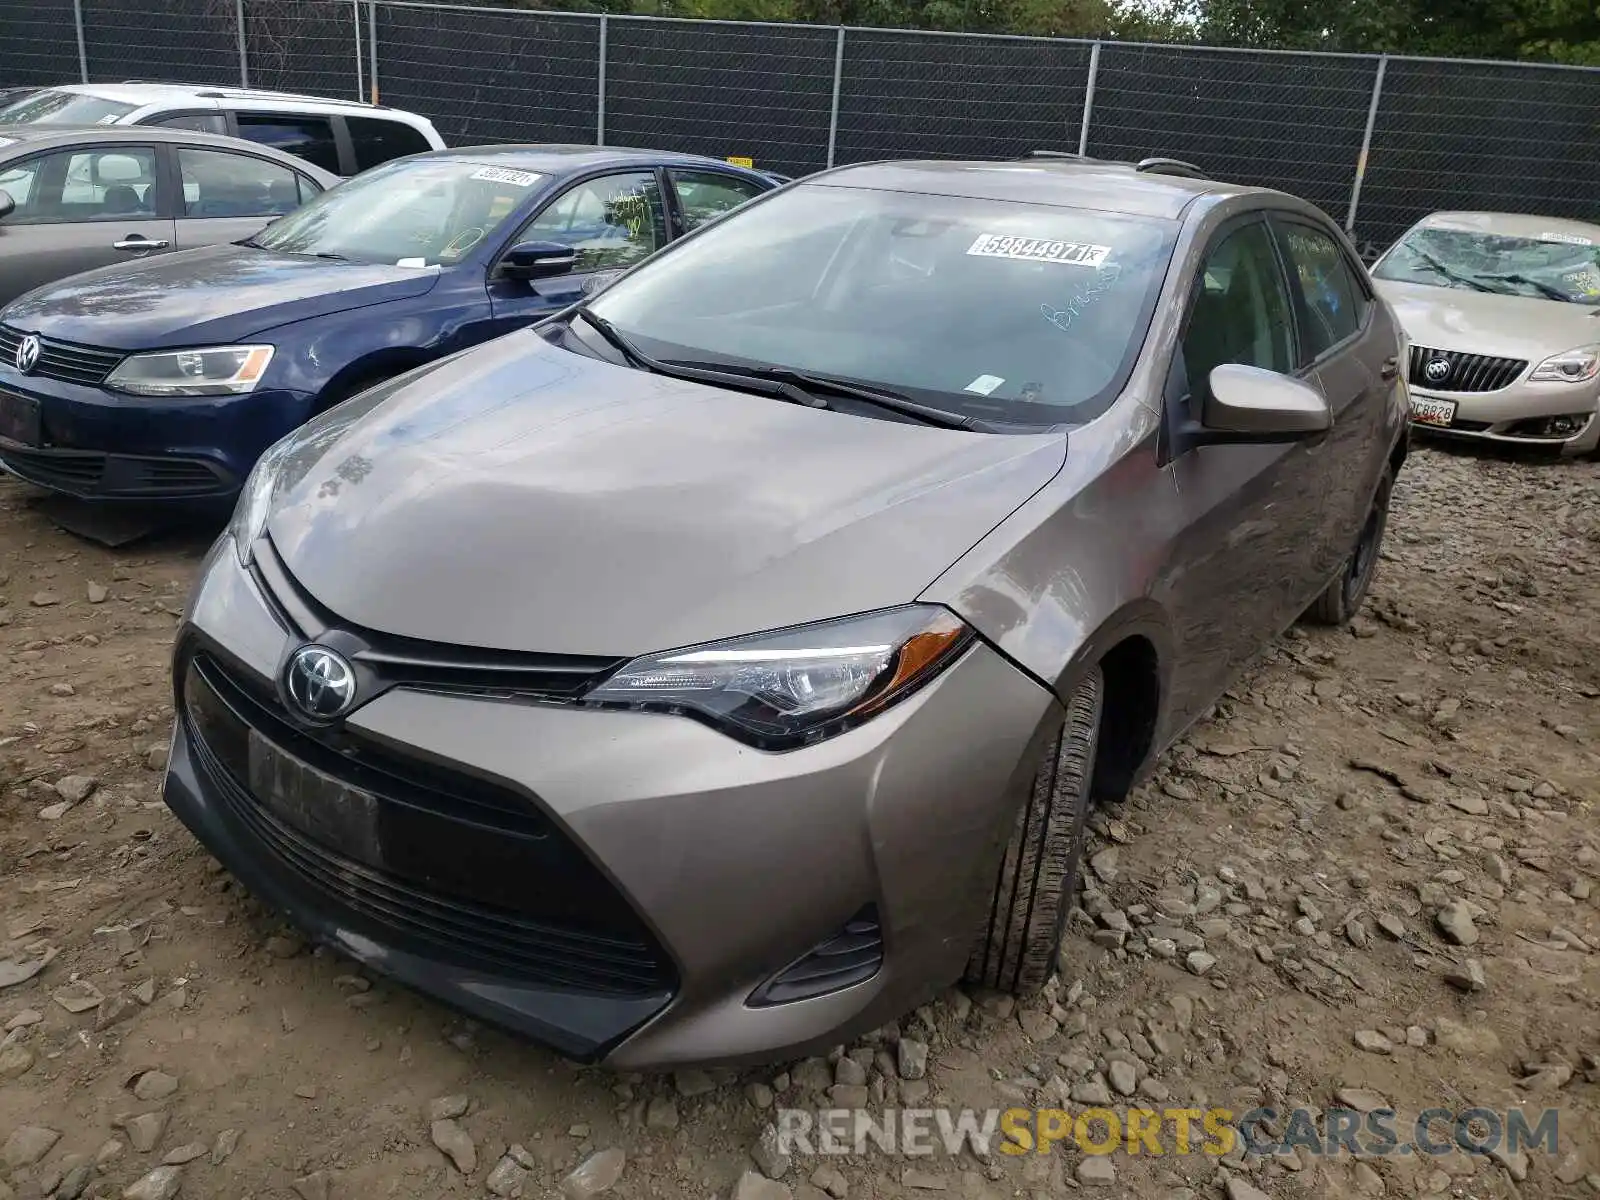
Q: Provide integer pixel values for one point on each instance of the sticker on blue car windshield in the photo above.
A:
(1005, 245)
(507, 175)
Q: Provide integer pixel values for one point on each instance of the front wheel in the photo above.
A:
(1342, 599)
(1039, 871)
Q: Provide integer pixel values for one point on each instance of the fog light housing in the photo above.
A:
(850, 956)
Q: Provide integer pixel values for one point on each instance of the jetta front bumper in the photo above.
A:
(615, 884)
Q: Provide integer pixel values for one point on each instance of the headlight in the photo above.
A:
(1573, 366)
(257, 498)
(794, 686)
(209, 371)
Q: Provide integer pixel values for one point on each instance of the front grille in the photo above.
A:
(95, 473)
(1466, 372)
(388, 660)
(64, 361)
(459, 870)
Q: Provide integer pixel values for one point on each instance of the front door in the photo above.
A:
(1243, 562)
(79, 209)
(612, 221)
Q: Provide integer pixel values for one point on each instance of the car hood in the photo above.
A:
(207, 296)
(1479, 323)
(524, 497)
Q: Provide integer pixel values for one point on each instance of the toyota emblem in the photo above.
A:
(28, 353)
(320, 683)
(1437, 369)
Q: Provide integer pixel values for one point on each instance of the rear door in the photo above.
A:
(613, 221)
(1347, 354)
(224, 196)
(81, 208)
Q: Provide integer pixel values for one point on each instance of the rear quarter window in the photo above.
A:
(376, 140)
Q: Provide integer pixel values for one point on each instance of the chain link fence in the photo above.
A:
(1375, 141)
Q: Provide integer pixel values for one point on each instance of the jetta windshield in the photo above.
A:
(1553, 266)
(1001, 311)
(426, 212)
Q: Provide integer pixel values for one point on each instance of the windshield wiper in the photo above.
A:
(251, 242)
(893, 401)
(1454, 276)
(1544, 289)
(330, 256)
(638, 358)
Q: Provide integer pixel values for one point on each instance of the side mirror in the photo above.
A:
(1249, 404)
(7, 205)
(537, 260)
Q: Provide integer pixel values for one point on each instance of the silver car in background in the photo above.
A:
(1500, 310)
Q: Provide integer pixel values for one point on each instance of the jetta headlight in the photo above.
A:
(1571, 366)
(258, 497)
(208, 371)
(794, 686)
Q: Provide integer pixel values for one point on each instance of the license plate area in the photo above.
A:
(1427, 411)
(19, 419)
(333, 813)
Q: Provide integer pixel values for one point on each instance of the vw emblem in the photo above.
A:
(320, 683)
(28, 353)
(1437, 369)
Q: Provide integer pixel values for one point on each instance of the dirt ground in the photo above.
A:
(1298, 904)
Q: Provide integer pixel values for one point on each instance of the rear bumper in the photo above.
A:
(102, 445)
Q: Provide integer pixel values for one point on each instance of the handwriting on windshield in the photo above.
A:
(1062, 318)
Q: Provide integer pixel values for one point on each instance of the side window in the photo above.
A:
(706, 195)
(376, 140)
(612, 222)
(217, 183)
(83, 185)
(309, 137)
(309, 188)
(1240, 312)
(1335, 302)
(20, 181)
(199, 122)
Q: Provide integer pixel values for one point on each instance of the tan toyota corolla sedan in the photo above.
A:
(1501, 312)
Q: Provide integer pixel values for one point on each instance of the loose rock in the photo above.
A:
(160, 1184)
(456, 1144)
(597, 1173)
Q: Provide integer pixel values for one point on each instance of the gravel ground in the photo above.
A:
(1373, 870)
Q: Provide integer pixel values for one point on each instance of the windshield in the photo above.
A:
(63, 108)
(416, 213)
(1551, 266)
(991, 309)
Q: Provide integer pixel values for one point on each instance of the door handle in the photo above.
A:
(136, 242)
(1390, 368)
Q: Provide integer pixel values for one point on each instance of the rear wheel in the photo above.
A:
(1342, 599)
(1039, 871)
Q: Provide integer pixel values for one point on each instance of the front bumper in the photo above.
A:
(101, 445)
(1521, 414)
(730, 862)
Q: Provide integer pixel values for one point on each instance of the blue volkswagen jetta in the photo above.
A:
(166, 379)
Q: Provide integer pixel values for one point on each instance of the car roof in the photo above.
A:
(140, 94)
(560, 159)
(20, 138)
(1524, 225)
(1067, 181)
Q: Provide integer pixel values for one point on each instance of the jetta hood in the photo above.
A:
(1479, 323)
(525, 497)
(208, 296)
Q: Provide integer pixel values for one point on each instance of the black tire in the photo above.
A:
(1342, 599)
(1039, 872)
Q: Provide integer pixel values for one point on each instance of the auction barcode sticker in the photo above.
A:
(1001, 245)
(507, 175)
